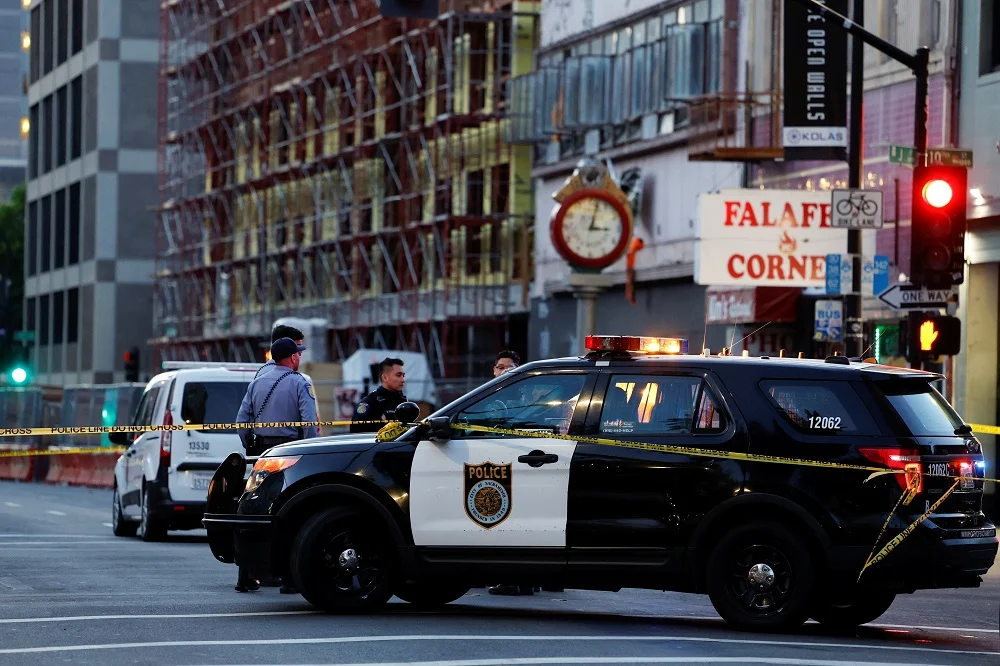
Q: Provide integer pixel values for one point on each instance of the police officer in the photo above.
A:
(385, 398)
(278, 393)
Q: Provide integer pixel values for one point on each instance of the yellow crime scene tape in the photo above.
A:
(394, 429)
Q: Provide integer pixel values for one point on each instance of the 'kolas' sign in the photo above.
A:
(815, 61)
(765, 238)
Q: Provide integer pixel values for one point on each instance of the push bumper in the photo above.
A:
(245, 540)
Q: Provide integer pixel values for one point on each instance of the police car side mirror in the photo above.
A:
(439, 428)
(406, 412)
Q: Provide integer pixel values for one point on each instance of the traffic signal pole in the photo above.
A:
(917, 63)
(854, 302)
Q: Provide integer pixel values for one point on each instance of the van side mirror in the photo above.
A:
(439, 428)
(407, 412)
(119, 437)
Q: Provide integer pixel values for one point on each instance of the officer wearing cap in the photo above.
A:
(370, 413)
(278, 394)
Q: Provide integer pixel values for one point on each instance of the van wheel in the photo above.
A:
(119, 525)
(150, 529)
(761, 576)
(430, 594)
(865, 607)
(339, 563)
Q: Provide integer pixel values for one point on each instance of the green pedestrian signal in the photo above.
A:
(19, 375)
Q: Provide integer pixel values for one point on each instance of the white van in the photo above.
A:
(161, 480)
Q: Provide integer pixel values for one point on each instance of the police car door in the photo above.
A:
(494, 489)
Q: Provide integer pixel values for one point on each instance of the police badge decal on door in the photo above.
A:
(488, 493)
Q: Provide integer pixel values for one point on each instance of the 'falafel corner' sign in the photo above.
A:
(760, 238)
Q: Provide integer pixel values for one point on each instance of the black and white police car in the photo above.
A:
(579, 497)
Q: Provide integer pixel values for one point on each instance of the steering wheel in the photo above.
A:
(498, 410)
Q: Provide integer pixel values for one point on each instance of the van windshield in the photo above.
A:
(924, 410)
(212, 402)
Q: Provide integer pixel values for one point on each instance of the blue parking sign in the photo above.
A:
(880, 280)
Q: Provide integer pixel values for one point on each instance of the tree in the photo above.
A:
(11, 269)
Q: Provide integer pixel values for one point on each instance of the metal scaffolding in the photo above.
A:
(320, 161)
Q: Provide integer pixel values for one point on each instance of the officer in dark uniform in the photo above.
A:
(278, 394)
(388, 396)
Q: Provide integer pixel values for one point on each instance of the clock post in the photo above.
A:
(591, 227)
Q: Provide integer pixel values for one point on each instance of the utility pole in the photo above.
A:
(854, 317)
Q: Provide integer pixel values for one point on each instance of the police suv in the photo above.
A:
(627, 468)
(161, 480)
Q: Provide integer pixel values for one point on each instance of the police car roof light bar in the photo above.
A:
(635, 343)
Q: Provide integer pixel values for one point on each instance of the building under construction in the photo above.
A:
(318, 160)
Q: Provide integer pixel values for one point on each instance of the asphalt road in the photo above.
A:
(71, 592)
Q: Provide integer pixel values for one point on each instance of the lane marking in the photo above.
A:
(48, 536)
(58, 543)
(107, 525)
(395, 639)
(76, 618)
(12, 504)
(629, 660)
(192, 616)
(55, 513)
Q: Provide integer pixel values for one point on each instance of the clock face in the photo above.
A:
(592, 228)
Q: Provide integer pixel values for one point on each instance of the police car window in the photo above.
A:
(924, 410)
(212, 402)
(654, 405)
(821, 407)
(542, 403)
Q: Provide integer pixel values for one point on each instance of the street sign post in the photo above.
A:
(905, 155)
(949, 157)
(857, 209)
(829, 322)
(908, 297)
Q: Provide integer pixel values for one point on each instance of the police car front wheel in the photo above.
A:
(761, 576)
(340, 563)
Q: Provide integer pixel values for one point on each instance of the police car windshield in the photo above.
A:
(212, 402)
(924, 410)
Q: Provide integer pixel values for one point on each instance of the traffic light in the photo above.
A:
(132, 365)
(422, 9)
(931, 335)
(19, 375)
(937, 251)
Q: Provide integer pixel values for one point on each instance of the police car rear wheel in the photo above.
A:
(429, 594)
(864, 608)
(150, 529)
(340, 564)
(760, 576)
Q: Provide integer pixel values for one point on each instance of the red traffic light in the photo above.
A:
(937, 193)
(128, 357)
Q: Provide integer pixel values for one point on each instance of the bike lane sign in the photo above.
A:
(857, 209)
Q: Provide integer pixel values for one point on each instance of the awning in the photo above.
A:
(747, 305)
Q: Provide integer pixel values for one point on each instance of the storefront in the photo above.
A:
(758, 320)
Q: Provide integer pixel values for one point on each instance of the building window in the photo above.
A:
(48, 24)
(61, 127)
(989, 37)
(46, 130)
(62, 40)
(72, 315)
(76, 117)
(74, 224)
(33, 143)
(43, 320)
(57, 318)
(29, 314)
(60, 235)
(36, 26)
(46, 235)
(77, 26)
(32, 249)
(633, 82)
